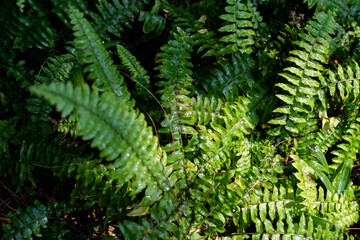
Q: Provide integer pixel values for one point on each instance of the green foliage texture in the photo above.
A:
(168, 119)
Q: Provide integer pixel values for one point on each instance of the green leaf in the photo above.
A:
(279, 120)
(93, 52)
(113, 128)
(319, 172)
(138, 210)
(344, 176)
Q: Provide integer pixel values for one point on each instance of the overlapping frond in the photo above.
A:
(114, 129)
(175, 68)
(345, 82)
(115, 17)
(270, 214)
(240, 28)
(100, 66)
(343, 207)
(303, 80)
(218, 144)
(136, 70)
(58, 68)
(214, 171)
(28, 223)
(232, 79)
(27, 30)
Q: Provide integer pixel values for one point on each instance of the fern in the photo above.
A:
(232, 79)
(58, 68)
(116, 141)
(346, 155)
(240, 28)
(346, 82)
(93, 53)
(115, 17)
(175, 90)
(27, 31)
(29, 222)
(217, 169)
(302, 85)
(268, 208)
(136, 70)
(152, 21)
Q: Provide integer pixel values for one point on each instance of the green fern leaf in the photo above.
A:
(115, 17)
(347, 83)
(58, 68)
(27, 29)
(346, 155)
(113, 128)
(306, 184)
(175, 68)
(27, 223)
(136, 70)
(202, 111)
(303, 80)
(234, 77)
(240, 28)
(93, 53)
(152, 22)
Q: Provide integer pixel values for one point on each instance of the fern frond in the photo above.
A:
(201, 111)
(184, 19)
(164, 213)
(324, 4)
(258, 25)
(342, 210)
(115, 17)
(327, 138)
(68, 127)
(40, 112)
(152, 22)
(94, 53)
(27, 29)
(99, 184)
(346, 81)
(176, 53)
(306, 184)
(175, 90)
(234, 77)
(302, 83)
(346, 155)
(266, 208)
(114, 129)
(239, 120)
(132, 65)
(58, 68)
(27, 223)
(136, 70)
(304, 228)
(240, 28)
(21, 4)
(61, 9)
(35, 154)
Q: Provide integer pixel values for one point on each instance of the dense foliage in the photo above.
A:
(173, 119)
